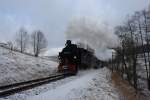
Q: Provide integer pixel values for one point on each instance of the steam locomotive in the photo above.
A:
(77, 56)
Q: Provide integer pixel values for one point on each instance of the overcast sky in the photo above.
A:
(52, 16)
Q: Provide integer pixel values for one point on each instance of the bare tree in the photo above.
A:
(146, 28)
(138, 21)
(134, 41)
(127, 50)
(22, 39)
(39, 42)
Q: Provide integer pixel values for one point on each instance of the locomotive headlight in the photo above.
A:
(75, 57)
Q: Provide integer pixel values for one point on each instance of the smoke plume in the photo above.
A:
(96, 34)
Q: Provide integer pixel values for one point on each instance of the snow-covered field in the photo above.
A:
(17, 67)
(87, 85)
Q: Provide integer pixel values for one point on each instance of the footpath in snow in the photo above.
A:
(95, 85)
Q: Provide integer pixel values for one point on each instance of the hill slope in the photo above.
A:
(16, 67)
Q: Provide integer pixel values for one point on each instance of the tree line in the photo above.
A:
(24, 41)
(133, 33)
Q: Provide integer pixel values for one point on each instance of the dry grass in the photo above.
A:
(127, 92)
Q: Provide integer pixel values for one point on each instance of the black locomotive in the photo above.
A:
(74, 57)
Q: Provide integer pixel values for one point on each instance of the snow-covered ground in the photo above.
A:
(86, 85)
(92, 86)
(16, 67)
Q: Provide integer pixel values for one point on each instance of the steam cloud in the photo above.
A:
(98, 35)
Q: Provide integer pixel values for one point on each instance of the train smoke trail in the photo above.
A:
(98, 35)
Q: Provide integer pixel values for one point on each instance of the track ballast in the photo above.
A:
(21, 86)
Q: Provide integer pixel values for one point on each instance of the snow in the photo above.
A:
(17, 67)
(86, 85)
(93, 86)
(44, 88)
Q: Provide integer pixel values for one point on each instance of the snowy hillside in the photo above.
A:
(16, 67)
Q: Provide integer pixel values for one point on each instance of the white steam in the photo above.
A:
(98, 35)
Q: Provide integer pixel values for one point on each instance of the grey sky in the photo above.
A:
(52, 16)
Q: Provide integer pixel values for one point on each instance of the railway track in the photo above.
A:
(18, 87)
